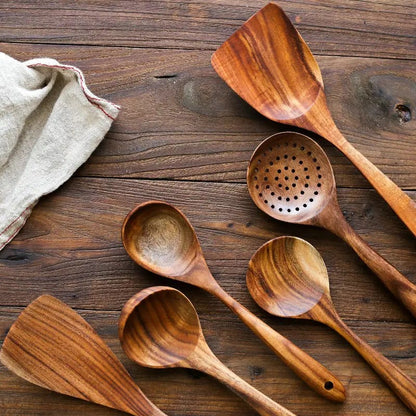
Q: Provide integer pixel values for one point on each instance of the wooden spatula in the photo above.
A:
(268, 64)
(52, 346)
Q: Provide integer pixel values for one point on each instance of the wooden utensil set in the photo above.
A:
(289, 178)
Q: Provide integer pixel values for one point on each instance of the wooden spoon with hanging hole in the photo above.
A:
(268, 64)
(159, 238)
(287, 277)
(159, 328)
(290, 178)
(50, 345)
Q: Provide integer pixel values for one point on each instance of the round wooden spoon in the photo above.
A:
(158, 237)
(287, 277)
(270, 66)
(159, 328)
(291, 179)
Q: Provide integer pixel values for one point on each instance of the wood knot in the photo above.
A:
(255, 372)
(403, 112)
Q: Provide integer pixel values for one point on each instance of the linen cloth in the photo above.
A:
(50, 123)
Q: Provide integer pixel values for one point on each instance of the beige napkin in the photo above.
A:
(49, 125)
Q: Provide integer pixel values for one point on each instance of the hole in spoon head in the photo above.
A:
(299, 186)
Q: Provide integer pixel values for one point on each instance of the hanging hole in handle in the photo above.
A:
(329, 385)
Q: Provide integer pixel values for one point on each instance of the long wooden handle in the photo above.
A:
(396, 379)
(400, 202)
(397, 284)
(307, 368)
(204, 360)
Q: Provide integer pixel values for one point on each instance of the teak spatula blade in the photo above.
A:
(268, 64)
(52, 346)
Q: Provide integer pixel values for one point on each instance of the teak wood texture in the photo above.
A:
(288, 278)
(51, 346)
(159, 328)
(291, 179)
(160, 238)
(268, 64)
(183, 136)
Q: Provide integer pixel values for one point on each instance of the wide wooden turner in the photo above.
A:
(268, 64)
(52, 346)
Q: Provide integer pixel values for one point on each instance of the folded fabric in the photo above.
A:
(50, 123)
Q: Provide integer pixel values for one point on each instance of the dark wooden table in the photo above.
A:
(184, 137)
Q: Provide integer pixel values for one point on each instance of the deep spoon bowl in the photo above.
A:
(159, 237)
(287, 277)
(159, 328)
(290, 178)
(163, 342)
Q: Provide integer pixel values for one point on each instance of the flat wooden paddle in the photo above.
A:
(52, 346)
(268, 64)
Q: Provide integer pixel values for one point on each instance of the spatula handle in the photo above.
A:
(396, 379)
(206, 362)
(401, 203)
(307, 368)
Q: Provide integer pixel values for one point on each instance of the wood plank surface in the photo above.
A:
(179, 120)
(71, 248)
(184, 137)
(348, 28)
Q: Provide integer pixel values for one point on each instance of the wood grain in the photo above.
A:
(159, 328)
(367, 28)
(291, 179)
(68, 248)
(251, 360)
(217, 131)
(268, 64)
(160, 238)
(72, 244)
(287, 277)
(188, 139)
(51, 346)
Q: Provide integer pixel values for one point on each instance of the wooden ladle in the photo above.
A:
(159, 328)
(158, 237)
(290, 178)
(50, 345)
(270, 66)
(287, 277)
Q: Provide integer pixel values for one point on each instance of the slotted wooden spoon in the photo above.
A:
(287, 277)
(290, 178)
(50, 345)
(159, 237)
(159, 328)
(270, 66)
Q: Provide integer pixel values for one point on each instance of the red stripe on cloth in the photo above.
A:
(92, 100)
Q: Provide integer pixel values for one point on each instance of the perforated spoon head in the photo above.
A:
(290, 178)
(159, 328)
(287, 277)
(159, 238)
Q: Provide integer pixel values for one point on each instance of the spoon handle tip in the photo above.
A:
(400, 383)
(318, 377)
